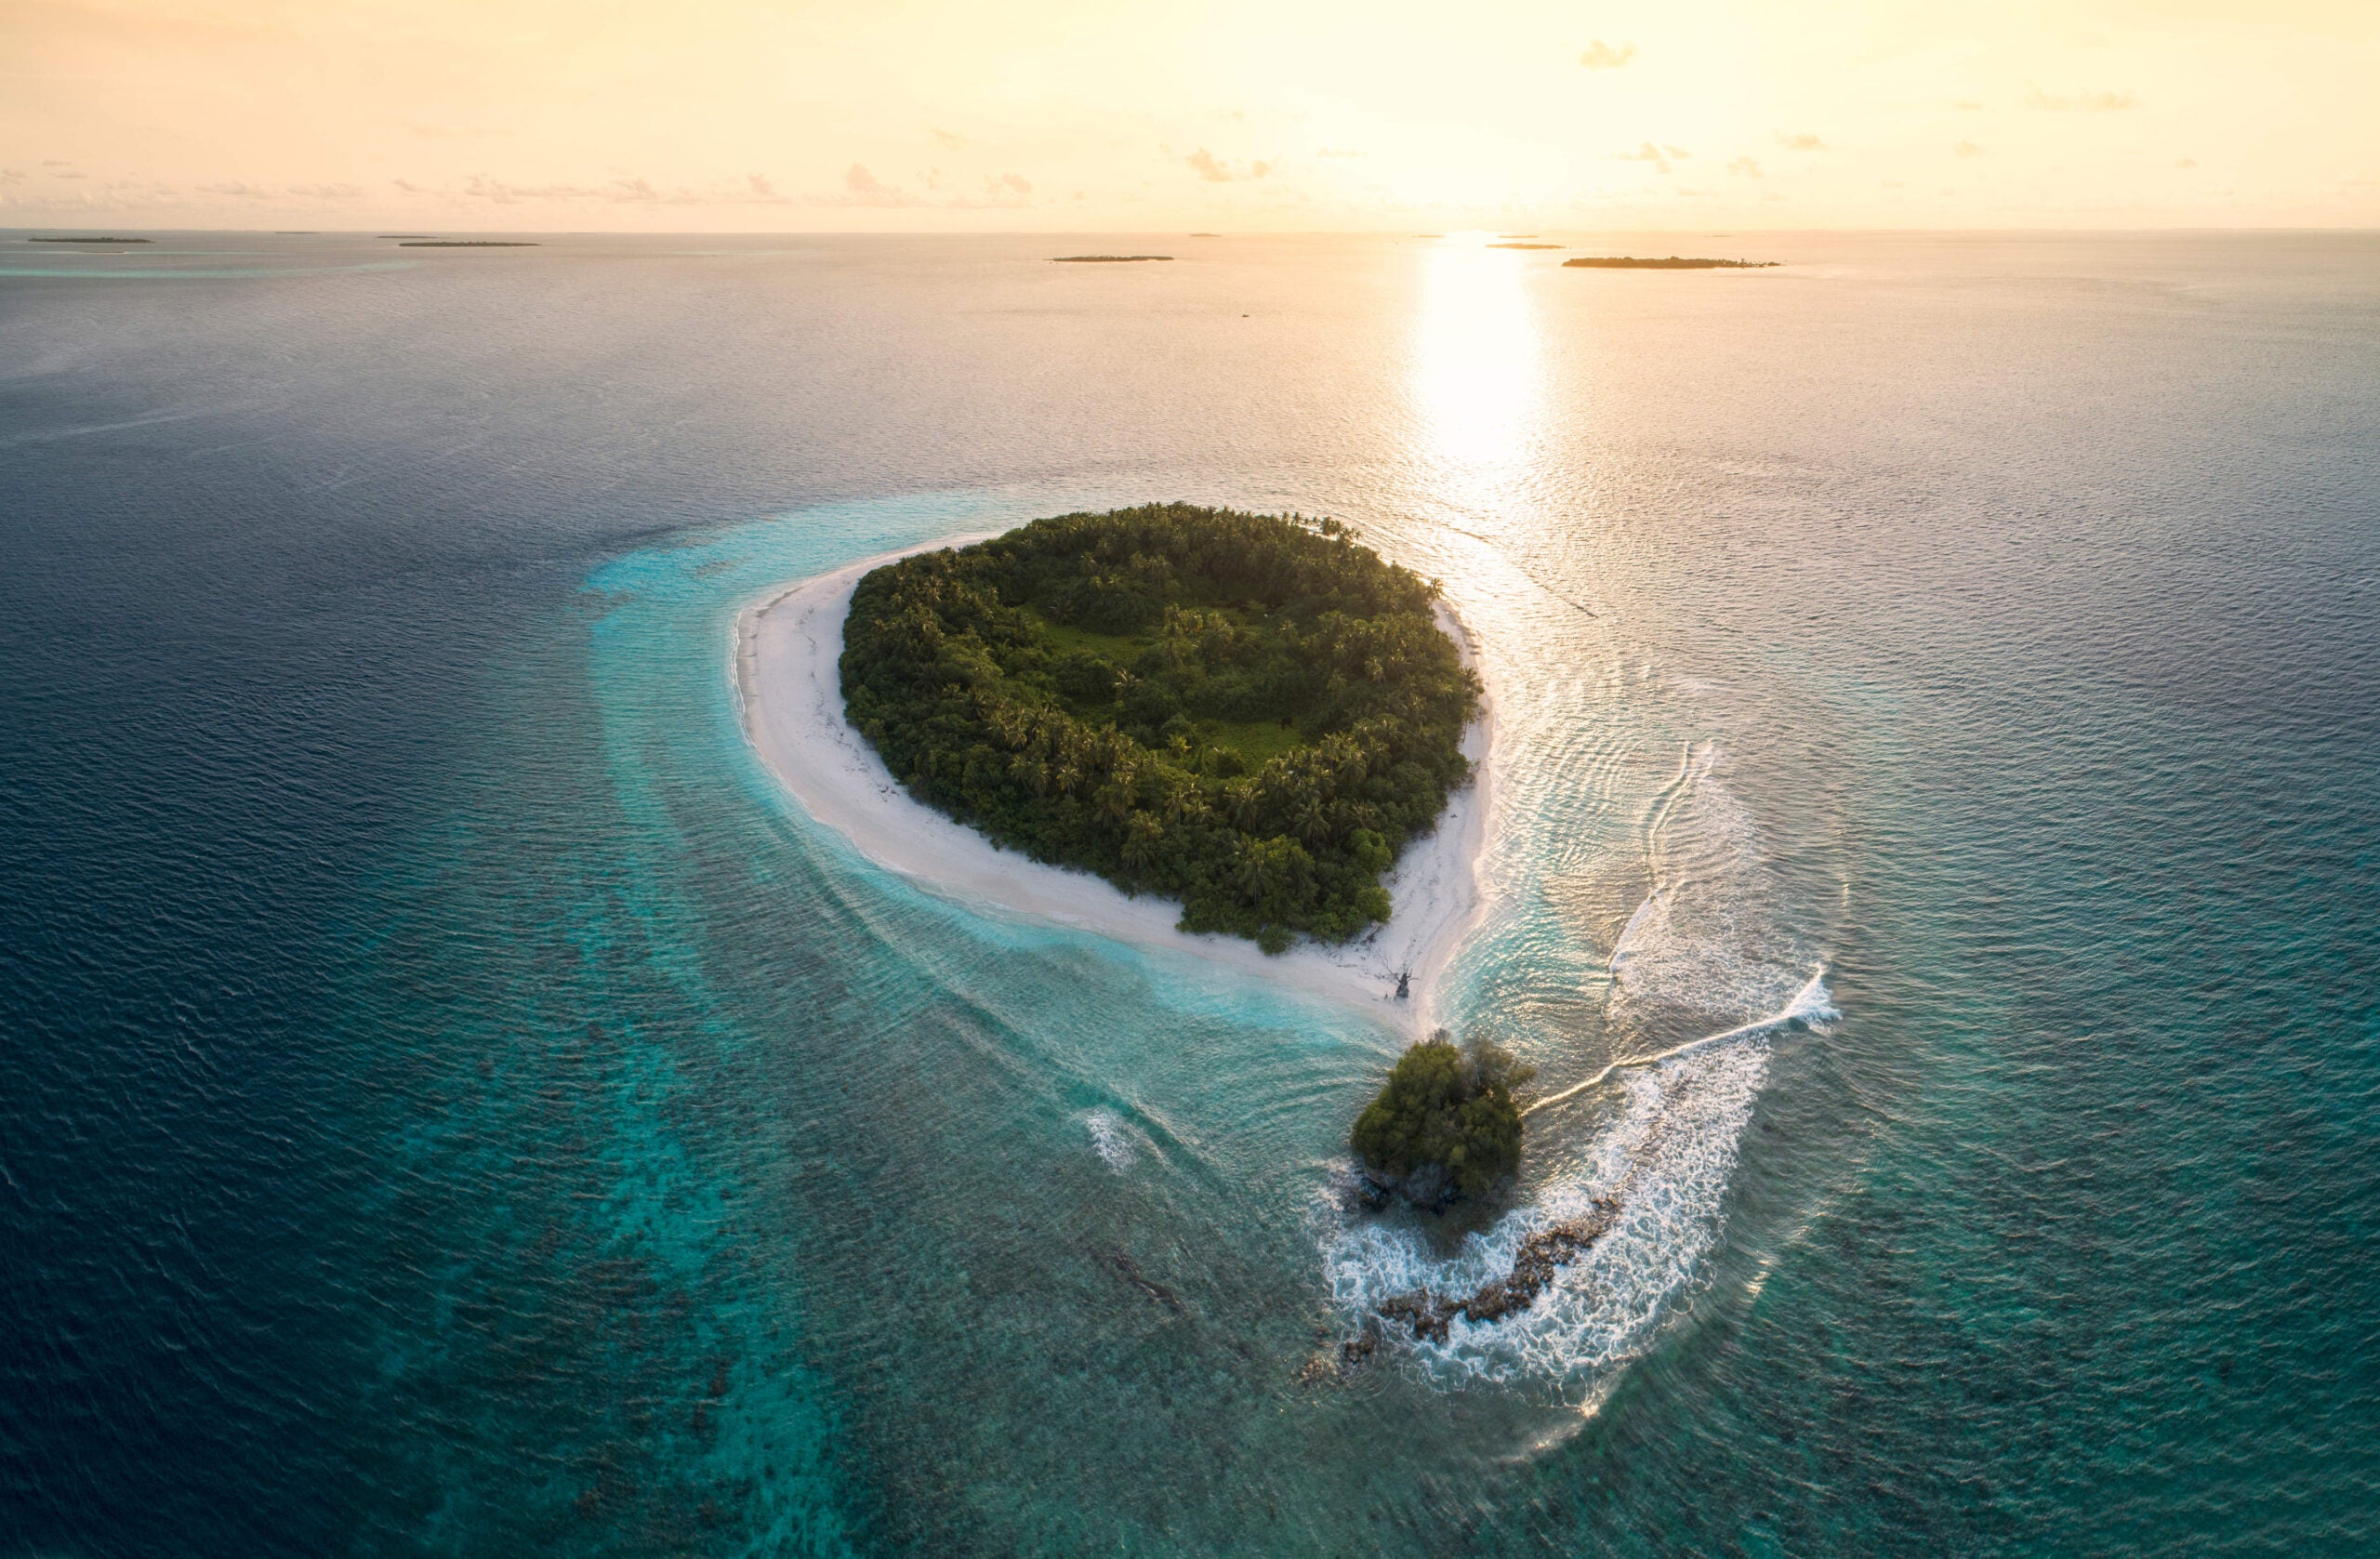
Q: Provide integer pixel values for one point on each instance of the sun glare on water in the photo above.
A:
(1475, 378)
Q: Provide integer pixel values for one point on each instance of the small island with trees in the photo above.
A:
(1631, 262)
(1443, 1126)
(1249, 714)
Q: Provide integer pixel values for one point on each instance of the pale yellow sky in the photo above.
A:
(1090, 115)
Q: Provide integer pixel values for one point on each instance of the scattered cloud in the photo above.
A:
(1746, 167)
(1214, 170)
(1601, 56)
(760, 187)
(950, 139)
(72, 173)
(2187, 162)
(1339, 151)
(1966, 149)
(1800, 140)
(863, 188)
(497, 190)
(1014, 183)
(1660, 156)
(2088, 102)
(12, 175)
(1966, 104)
(54, 162)
(326, 191)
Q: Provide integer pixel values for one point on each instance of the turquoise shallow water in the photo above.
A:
(465, 1106)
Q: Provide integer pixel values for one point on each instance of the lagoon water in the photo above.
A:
(457, 1104)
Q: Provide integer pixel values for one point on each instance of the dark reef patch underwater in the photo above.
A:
(458, 1104)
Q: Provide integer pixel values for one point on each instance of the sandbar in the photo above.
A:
(790, 693)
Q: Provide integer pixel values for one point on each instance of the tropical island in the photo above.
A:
(1109, 260)
(87, 241)
(1631, 262)
(1249, 714)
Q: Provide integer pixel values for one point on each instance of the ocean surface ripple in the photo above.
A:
(457, 1104)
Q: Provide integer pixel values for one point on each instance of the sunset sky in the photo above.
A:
(1276, 114)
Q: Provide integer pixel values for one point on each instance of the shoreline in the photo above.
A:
(789, 698)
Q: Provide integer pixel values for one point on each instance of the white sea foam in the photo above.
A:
(1705, 944)
(1109, 1140)
(1665, 1162)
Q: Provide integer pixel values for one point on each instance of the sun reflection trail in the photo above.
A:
(1475, 379)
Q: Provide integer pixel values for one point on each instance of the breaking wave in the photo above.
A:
(1109, 1140)
(1665, 1164)
(1705, 948)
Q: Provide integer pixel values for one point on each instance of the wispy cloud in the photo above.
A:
(1746, 167)
(863, 188)
(1966, 149)
(1601, 56)
(1214, 170)
(950, 139)
(501, 192)
(1799, 140)
(1660, 156)
(1967, 105)
(2086, 102)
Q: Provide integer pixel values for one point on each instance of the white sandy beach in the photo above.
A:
(786, 647)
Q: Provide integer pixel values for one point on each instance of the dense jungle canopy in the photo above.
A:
(1249, 713)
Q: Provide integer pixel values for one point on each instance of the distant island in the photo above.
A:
(466, 244)
(1528, 245)
(1630, 262)
(1111, 260)
(1249, 714)
(87, 241)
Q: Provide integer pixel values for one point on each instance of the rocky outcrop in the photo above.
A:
(1540, 1256)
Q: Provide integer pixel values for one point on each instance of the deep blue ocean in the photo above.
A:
(455, 1103)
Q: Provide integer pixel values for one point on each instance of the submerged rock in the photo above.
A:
(1540, 1257)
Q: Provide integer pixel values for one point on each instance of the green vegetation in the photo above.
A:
(1248, 713)
(1630, 262)
(1444, 1125)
